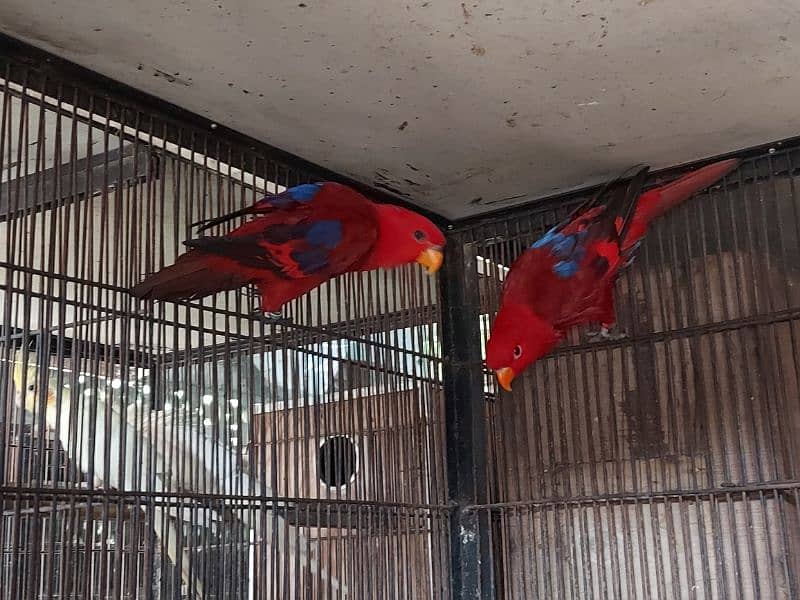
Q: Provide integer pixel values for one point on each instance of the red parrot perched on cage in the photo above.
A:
(567, 277)
(303, 237)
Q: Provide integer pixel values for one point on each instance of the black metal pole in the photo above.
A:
(470, 546)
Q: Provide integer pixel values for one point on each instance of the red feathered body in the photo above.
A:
(567, 277)
(304, 236)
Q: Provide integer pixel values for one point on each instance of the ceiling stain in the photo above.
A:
(170, 77)
(542, 60)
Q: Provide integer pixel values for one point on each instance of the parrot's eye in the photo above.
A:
(419, 235)
(517, 351)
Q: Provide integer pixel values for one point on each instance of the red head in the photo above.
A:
(519, 337)
(404, 237)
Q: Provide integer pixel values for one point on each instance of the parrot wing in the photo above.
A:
(298, 198)
(563, 276)
(612, 208)
(314, 230)
(323, 237)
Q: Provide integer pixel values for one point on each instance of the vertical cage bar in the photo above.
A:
(467, 470)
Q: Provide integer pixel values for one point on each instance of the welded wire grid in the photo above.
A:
(196, 449)
(663, 465)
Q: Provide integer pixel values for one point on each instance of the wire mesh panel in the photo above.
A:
(666, 464)
(196, 449)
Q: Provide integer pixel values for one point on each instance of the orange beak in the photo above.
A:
(504, 377)
(431, 258)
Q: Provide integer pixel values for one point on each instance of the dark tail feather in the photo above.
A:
(621, 207)
(610, 189)
(192, 276)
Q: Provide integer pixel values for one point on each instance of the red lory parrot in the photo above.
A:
(567, 277)
(302, 237)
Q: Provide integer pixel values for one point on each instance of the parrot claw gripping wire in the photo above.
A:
(275, 318)
(606, 334)
(269, 316)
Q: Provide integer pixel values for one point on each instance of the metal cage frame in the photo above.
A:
(476, 497)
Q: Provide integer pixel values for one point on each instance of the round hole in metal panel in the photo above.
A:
(337, 461)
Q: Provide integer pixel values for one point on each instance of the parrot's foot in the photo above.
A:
(271, 316)
(606, 334)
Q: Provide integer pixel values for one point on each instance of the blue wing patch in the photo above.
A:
(565, 268)
(304, 192)
(547, 238)
(324, 233)
(568, 249)
(310, 260)
(320, 238)
(300, 193)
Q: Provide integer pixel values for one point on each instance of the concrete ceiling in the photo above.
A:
(464, 107)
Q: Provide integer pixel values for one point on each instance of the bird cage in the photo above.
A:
(196, 449)
(356, 446)
(664, 464)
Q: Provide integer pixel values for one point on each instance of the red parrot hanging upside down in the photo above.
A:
(302, 237)
(567, 277)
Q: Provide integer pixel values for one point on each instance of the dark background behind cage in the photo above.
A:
(196, 450)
